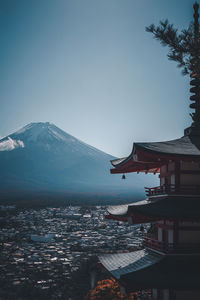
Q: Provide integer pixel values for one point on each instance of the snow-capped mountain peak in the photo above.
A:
(35, 131)
(41, 133)
(42, 157)
(48, 137)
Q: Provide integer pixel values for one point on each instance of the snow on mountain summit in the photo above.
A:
(36, 131)
(47, 136)
(42, 157)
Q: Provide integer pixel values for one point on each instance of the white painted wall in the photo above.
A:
(172, 179)
(171, 236)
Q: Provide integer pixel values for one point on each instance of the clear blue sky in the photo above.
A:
(89, 67)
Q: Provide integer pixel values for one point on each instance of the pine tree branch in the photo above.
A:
(181, 45)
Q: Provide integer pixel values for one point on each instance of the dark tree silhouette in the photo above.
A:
(181, 45)
(184, 48)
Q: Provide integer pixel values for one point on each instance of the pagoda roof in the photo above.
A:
(149, 157)
(186, 145)
(145, 269)
(167, 207)
(123, 263)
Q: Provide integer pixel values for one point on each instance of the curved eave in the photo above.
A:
(145, 270)
(135, 219)
(169, 208)
(133, 164)
(136, 167)
(149, 156)
(122, 210)
(122, 213)
(118, 161)
(125, 263)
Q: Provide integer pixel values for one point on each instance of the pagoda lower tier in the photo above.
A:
(175, 219)
(172, 208)
(175, 276)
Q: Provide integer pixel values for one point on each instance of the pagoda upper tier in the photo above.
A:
(149, 157)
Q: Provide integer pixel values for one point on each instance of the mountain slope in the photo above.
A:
(42, 157)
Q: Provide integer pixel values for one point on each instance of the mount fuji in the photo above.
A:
(41, 160)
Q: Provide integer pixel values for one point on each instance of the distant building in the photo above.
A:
(47, 238)
(169, 266)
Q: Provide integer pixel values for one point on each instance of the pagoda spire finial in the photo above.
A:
(195, 69)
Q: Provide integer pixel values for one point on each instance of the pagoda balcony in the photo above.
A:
(173, 189)
(171, 247)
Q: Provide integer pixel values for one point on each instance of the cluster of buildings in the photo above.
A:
(42, 251)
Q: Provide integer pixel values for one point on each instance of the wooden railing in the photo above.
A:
(173, 189)
(172, 247)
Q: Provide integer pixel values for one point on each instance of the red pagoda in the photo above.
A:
(169, 265)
